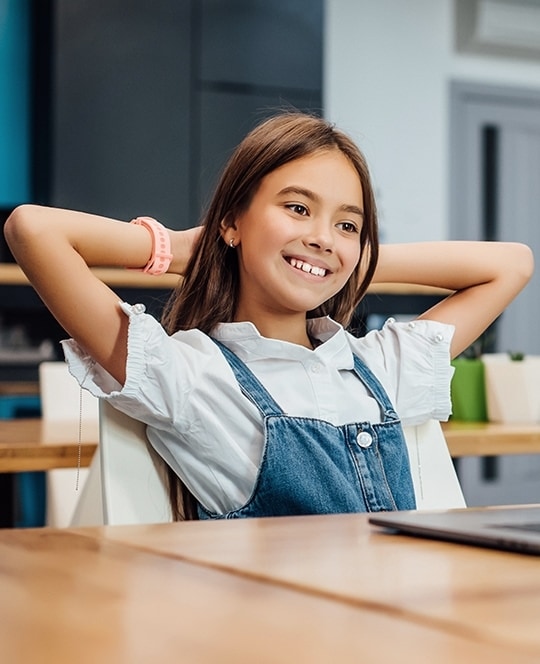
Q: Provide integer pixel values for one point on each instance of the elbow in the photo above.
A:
(524, 263)
(20, 225)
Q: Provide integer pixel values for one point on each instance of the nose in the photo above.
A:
(320, 236)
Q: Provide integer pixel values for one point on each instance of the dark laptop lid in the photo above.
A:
(513, 528)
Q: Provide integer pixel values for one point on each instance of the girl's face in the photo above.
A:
(299, 241)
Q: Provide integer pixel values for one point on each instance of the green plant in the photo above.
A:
(516, 356)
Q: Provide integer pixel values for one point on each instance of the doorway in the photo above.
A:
(495, 187)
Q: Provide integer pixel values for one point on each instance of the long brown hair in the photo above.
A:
(208, 294)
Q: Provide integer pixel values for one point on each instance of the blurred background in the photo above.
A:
(131, 107)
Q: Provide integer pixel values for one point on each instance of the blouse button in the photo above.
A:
(138, 308)
(390, 320)
(412, 325)
(364, 439)
(316, 368)
(439, 338)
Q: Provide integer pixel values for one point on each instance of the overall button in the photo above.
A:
(364, 439)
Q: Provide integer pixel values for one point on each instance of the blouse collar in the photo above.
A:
(245, 340)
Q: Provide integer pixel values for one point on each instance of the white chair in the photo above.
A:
(62, 400)
(127, 486)
(126, 482)
(435, 481)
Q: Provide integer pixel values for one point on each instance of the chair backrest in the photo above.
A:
(126, 484)
(88, 509)
(61, 396)
(133, 484)
(63, 400)
(436, 483)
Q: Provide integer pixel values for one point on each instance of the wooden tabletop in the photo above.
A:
(491, 439)
(488, 597)
(34, 444)
(19, 387)
(304, 589)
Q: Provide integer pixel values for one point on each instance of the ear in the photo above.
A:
(228, 228)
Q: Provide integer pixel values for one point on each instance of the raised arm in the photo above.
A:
(485, 278)
(56, 248)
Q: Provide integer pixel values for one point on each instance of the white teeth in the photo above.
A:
(306, 267)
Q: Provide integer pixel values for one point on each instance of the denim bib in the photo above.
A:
(311, 466)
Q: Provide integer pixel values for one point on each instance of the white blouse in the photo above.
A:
(198, 420)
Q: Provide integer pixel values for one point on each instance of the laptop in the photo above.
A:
(508, 528)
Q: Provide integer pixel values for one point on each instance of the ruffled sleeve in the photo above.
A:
(160, 371)
(412, 361)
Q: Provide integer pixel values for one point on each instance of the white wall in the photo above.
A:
(388, 64)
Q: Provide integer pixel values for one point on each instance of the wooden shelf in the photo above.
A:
(12, 275)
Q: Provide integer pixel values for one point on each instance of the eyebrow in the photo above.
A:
(312, 196)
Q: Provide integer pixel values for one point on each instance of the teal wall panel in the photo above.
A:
(14, 102)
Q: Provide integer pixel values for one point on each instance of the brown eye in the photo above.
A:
(298, 208)
(348, 227)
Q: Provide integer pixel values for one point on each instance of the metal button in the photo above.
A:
(364, 439)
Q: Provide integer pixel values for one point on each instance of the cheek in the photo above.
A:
(353, 256)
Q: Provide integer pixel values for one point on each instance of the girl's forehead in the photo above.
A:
(329, 173)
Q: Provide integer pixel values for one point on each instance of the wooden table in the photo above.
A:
(485, 596)
(490, 439)
(34, 444)
(305, 589)
(19, 388)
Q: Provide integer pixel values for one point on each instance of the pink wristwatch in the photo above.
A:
(161, 256)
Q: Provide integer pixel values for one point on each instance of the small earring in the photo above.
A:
(231, 243)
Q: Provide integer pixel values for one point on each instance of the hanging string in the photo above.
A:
(79, 445)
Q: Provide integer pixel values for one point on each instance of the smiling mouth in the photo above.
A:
(306, 267)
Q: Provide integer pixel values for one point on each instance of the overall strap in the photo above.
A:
(255, 391)
(372, 383)
(250, 385)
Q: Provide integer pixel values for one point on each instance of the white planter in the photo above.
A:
(512, 388)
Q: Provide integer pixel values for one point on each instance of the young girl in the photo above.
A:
(253, 393)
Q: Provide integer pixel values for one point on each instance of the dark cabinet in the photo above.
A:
(144, 101)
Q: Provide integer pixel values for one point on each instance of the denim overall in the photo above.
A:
(310, 466)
